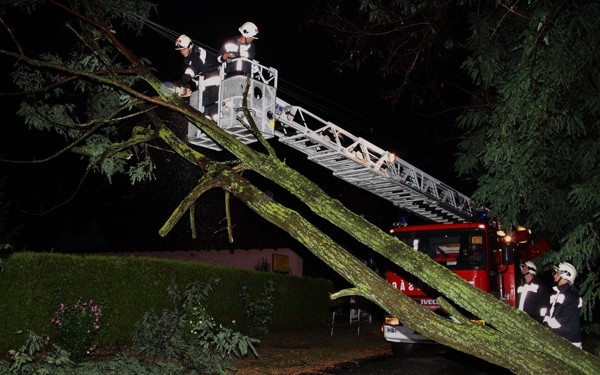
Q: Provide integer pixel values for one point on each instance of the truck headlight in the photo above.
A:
(391, 320)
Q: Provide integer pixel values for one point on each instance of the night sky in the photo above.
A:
(119, 216)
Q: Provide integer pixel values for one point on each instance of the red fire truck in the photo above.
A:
(480, 253)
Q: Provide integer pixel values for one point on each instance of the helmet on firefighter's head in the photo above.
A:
(249, 30)
(182, 42)
(567, 271)
(530, 266)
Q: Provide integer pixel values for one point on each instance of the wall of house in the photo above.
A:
(281, 260)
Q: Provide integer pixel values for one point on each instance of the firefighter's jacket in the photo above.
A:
(197, 62)
(564, 313)
(533, 298)
(239, 48)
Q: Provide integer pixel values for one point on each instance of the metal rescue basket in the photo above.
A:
(221, 99)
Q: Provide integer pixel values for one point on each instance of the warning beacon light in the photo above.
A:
(482, 216)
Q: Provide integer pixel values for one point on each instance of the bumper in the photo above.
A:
(403, 334)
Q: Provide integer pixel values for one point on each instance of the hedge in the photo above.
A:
(32, 285)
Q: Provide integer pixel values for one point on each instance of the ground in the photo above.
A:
(318, 352)
(315, 351)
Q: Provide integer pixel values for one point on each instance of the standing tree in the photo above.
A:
(111, 109)
(529, 113)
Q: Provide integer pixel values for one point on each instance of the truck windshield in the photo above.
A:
(456, 249)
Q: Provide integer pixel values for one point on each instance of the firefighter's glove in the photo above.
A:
(229, 56)
(176, 86)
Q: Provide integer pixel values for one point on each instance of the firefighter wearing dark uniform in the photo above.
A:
(533, 296)
(195, 59)
(565, 306)
(237, 47)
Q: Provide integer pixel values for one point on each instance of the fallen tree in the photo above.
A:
(509, 339)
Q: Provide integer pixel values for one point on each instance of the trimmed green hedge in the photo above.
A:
(32, 285)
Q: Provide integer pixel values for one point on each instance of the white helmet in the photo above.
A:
(249, 29)
(531, 268)
(567, 271)
(182, 42)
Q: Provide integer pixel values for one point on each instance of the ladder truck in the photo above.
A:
(476, 250)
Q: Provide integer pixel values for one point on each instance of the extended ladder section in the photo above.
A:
(350, 158)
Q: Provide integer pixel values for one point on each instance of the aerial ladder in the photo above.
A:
(478, 252)
(350, 158)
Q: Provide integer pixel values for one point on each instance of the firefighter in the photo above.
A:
(533, 296)
(240, 46)
(196, 61)
(565, 305)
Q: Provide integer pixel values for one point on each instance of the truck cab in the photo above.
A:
(477, 252)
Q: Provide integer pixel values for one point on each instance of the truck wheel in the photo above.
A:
(401, 349)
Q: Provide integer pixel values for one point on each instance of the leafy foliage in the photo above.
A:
(36, 356)
(76, 108)
(530, 124)
(182, 340)
(39, 356)
(189, 335)
(533, 135)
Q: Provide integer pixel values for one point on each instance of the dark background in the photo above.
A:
(56, 211)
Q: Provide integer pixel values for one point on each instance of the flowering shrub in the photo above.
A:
(76, 326)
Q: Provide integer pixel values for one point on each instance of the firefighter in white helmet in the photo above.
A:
(195, 60)
(533, 296)
(239, 47)
(565, 306)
